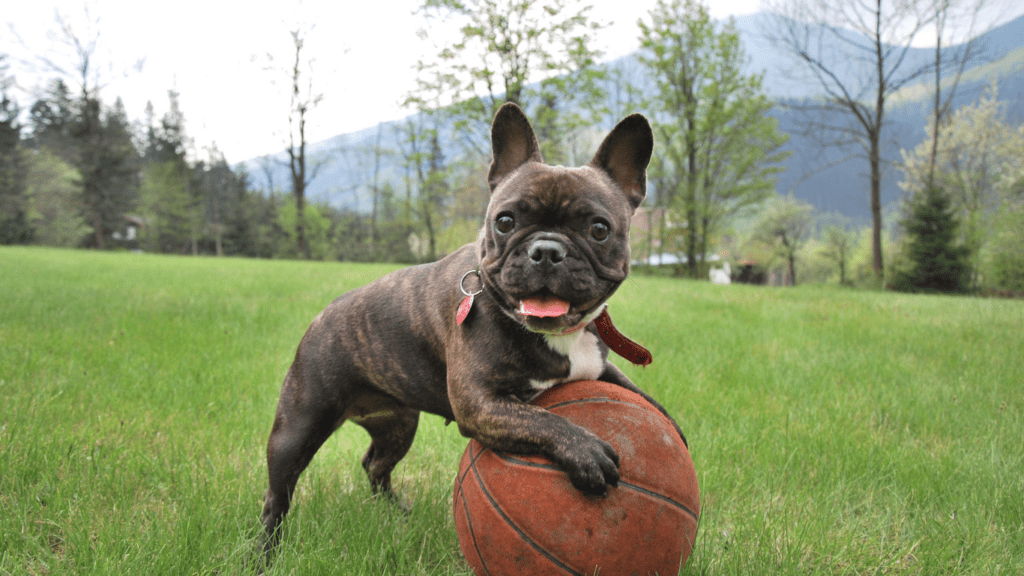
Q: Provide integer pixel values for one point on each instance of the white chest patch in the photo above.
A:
(585, 362)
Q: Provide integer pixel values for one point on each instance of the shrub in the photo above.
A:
(1005, 262)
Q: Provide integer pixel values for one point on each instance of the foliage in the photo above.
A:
(14, 209)
(53, 190)
(978, 159)
(837, 245)
(316, 232)
(50, 122)
(164, 205)
(783, 226)
(1005, 254)
(936, 260)
(717, 147)
(536, 53)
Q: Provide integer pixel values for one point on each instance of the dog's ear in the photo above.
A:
(512, 142)
(624, 156)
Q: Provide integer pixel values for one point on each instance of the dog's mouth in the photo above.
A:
(543, 305)
(546, 313)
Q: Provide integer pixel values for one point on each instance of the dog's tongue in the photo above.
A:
(543, 307)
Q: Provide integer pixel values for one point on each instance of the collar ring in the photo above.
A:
(462, 283)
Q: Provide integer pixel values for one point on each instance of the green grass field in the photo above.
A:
(833, 431)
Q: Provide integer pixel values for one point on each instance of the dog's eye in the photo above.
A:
(504, 224)
(599, 231)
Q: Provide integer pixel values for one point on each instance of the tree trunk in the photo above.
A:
(876, 203)
(875, 153)
(298, 167)
(938, 104)
(691, 180)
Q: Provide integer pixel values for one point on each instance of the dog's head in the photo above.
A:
(555, 243)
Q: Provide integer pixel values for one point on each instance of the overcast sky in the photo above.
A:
(214, 54)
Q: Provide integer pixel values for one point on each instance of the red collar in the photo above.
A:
(619, 343)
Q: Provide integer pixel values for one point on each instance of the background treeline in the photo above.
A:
(77, 172)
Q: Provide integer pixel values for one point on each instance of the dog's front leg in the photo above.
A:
(505, 423)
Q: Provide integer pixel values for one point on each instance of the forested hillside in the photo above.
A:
(351, 161)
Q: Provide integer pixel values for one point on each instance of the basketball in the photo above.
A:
(521, 515)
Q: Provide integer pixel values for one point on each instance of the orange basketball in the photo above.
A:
(520, 514)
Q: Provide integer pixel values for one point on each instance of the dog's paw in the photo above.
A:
(591, 463)
(391, 498)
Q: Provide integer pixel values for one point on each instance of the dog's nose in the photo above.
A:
(550, 251)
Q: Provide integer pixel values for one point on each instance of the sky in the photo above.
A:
(215, 55)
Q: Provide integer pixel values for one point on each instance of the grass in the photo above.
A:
(833, 431)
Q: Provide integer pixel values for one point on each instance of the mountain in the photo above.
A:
(348, 160)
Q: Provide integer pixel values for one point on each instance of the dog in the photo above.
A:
(474, 337)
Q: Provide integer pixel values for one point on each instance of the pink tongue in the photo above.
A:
(543, 308)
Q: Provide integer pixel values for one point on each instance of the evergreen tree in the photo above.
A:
(107, 161)
(14, 223)
(171, 191)
(935, 262)
(50, 120)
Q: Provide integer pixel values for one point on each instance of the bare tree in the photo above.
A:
(266, 165)
(857, 73)
(302, 100)
(376, 188)
(427, 172)
(958, 19)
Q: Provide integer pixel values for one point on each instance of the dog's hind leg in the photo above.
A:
(301, 426)
(392, 429)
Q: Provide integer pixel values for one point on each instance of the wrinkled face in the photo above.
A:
(555, 245)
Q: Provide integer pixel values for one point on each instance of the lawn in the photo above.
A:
(833, 431)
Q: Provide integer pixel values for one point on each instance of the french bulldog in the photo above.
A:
(474, 337)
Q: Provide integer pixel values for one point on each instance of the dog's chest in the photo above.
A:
(585, 359)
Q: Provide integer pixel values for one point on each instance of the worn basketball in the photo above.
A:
(521, 515)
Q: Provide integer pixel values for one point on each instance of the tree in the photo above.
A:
(378, 192)
(936, 262)
(53, 188)
(536, 53)
(115, 172)
(784, 225)
(50, 121)
(316, 228)
(164, 205)
(168, 199)
(948, 15)
(303, 100)
(717, 147)
(14, 224)
(975, 161)
(426, 174)
(1005, 259)
(100, 137)
(837, 245)
(223, 192)
(857, 73)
